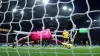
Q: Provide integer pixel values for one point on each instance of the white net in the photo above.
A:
(20, 17)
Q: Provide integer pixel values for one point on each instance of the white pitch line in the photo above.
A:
(32, 48)
(38, 48)
(49, 52)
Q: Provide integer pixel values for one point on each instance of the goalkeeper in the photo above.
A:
(36, 36)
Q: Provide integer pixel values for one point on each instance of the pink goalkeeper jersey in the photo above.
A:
(45, 35)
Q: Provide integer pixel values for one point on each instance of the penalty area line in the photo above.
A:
(49, 52)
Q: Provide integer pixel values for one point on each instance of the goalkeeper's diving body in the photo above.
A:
(36, 36)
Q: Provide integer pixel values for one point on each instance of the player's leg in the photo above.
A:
(17, 41)
(58, 41)
(13, 45)
(31, 42)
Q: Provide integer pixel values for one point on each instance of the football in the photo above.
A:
(69, 46)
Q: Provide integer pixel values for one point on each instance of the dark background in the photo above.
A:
(15, 21)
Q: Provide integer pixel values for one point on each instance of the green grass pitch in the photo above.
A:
(49, 51)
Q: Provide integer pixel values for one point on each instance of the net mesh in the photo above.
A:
(21, 17)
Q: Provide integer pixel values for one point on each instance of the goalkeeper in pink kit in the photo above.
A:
(36, 36)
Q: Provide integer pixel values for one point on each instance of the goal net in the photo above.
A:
(80, 19)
